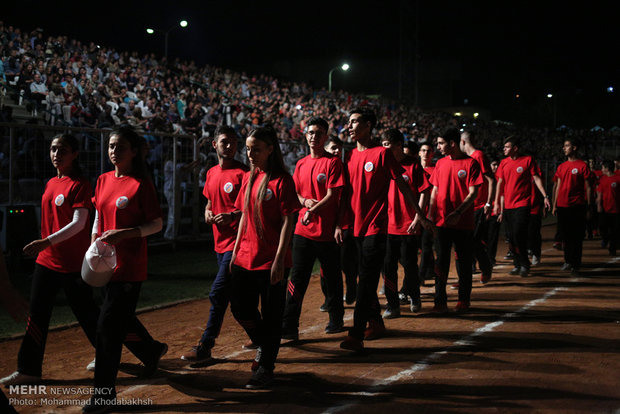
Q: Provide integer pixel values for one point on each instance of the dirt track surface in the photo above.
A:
(548, 343)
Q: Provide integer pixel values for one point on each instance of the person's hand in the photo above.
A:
(487, 211)
(222, 219)
(37, 246)
(112, 236)
(554, 211)
(547, 204)
(500, 217)
(453, 218)
(309, 202)
(277, 271)
(306, 218)
(414, 227)
(232, 261)
(208, 216)
(496, 210)
(338, 235)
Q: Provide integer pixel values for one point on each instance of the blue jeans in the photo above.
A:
(219, 297)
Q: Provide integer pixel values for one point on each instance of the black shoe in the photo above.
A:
(261, 378)
(290, 334)
(99, 404)
(334, 328)
(324, 307)
(349, 299)
(150, 367)
(403, 299)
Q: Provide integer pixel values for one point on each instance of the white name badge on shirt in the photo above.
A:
(369, 166)
(228, 187)
(122, 202)
(406, 178)
(60, 199)
(519, 170)
(321, 178)
(574, 171)
(461, 173)
(268, 194)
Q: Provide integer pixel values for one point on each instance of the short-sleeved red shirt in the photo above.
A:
(313, 177)
(453, 179)
(609, 187)
(400, 214)
(124, 202)
(517, 177)
(60, 198)
(221, 188)
(485, 168)
(370, 173)
(257, 250)
(573, 176)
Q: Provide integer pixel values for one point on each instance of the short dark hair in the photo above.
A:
(413, 146)
(471, 134)
(394, 136)
(225, 130)
(318, 121)
(367, 115)
(335, 140)
(514, 140)
(609, 164)
(451, 134)
(427, 143)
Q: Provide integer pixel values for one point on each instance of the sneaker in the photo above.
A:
(91, 365)
(324, 307)
(574, 271)
(403, 299)
(461, 306)
(150, 367)
(249, 345)
(256, 361)
(557, 245)
(352, 344)
(508, 256)
(415, 306)
(17, 378)
(524, 271)
(454, 285)
(484, 279)
(382, 290)
(261, 378)
(99, 404)
(440, 308)
(290, 334)
(349, 299)
(391, 313)
(334, 328)
(515, 270)
(375, 330)
(566, 267)
(197, 354)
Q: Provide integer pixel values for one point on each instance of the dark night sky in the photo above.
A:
(497, 47)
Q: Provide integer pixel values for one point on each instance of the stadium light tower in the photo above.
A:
(183, 24)
(344, 67)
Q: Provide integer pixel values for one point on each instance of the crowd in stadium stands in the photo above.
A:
(87, 85)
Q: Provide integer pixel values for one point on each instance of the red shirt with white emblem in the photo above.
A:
(313, 177)
(258, 244)
(124, 202)
(517, 177)
(573, 176)
(453, 177)
(609, 187)
(221, 188)
(60, 198)
(400, 214)
(370, 173)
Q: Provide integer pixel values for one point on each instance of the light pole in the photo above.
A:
(344, 67)
(182, 23)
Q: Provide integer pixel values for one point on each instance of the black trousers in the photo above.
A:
(534, 238)
(609, 227)
(572, 224)
(517, 222)
(305, 252)
(117, 323)
(481, 242)
(403, 249)
(348, 264)
(371, 253)
(493, 237)
(427, 256)
(463, 247)
(264, 327)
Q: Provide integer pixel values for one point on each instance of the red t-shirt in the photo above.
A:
(453, 179)
(400, 214)
(313, 177)
(517, 177)
(256, 252)
(124, 202)
(609, 187)
(485, 168)
(573, 176)
(221, 188)
(370, 172)
(60, 198)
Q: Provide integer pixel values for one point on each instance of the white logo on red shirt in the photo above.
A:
(462, 173)
(614, 184)
(369, 166)
(574, 171)
(519, 170)
(228, 187)
(268, 194)
(406, 178)
(321, 178)
(60, 199)
(122, 202)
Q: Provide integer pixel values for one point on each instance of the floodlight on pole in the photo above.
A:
(183, 24)
(344, 67)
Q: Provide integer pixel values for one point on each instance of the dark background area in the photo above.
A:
(436, 54)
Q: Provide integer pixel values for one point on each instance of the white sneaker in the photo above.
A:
(535, 260)
(91, 366)
(17, 378)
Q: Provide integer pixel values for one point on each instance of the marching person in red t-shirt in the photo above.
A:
(456, 181)
(570, 203)
(371, 168)
(127, 211)
(222, 184)
(261, 257)
(427, 252)
(403, 229)
(608, 207)
(319, 181)
(493, 222)
(482, 205)
(514, 183)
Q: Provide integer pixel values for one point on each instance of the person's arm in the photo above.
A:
(77, 224)
(432, 204)
(490, 177)
(332, 193)
(498, 207)
(342, 210)
(236, 246)
(117, 235)
(541, 187)
(412, 200)
(286, 233)
(422, 200)
(208, 213)
(454, 217)
(556, 192)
